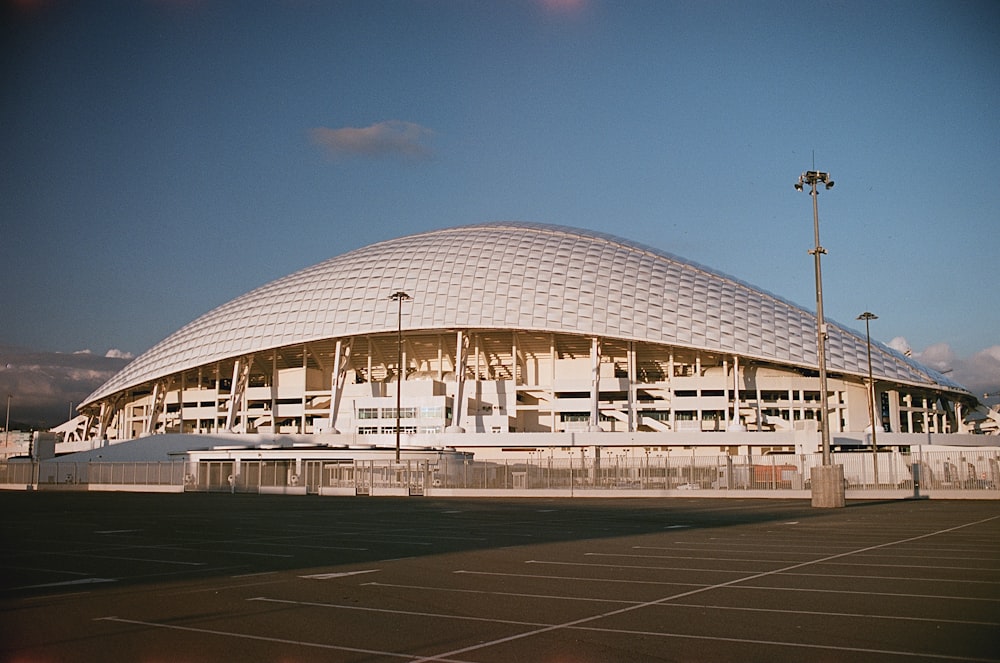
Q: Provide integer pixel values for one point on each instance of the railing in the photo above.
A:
(25, 474)
(974, 472)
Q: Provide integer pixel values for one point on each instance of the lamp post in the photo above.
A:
(811, 178)
(868, 317)
(399, 296)
(6, 427)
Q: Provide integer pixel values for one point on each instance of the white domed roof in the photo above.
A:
(516, 276)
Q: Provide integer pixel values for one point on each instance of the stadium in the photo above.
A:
(506, 336)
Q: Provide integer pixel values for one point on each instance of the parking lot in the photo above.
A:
(217, 577)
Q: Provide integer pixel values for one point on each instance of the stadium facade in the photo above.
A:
(516, 336)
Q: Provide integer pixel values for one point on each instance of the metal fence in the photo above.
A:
(976, 470)
(51, 473)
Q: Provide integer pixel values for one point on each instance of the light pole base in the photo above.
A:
(827, 486)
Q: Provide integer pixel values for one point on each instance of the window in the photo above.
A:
(404, 413)
(405, 430)
(367, 413)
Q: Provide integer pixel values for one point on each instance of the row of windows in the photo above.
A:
(426, 412)
(387, 430)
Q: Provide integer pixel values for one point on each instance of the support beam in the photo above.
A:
(102, 420)
(274, 391)
(341, 364)
(461, 356)
(155, 406)
(595, 383)
(633, 414)
(735, 424)
(238, 388)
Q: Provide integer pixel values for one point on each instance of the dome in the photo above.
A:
(522, 277)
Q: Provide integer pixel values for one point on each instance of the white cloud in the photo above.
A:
(979, 373)
(900, 344)
(115, 353)
(42, 385)
(389, 138)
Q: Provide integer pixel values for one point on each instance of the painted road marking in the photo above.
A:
(344, 574)
(67, 583)
(579, 579)
(901, 618)
(412, 613)
(731, 583)
(702, 557)
(131, 559)
(579, 626)
(262, 638)
(632, 566)
(483, 591)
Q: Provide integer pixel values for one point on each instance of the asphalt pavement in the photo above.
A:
(218, 577)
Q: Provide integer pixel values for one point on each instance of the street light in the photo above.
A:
(812, 178)
(868, 317)
(399, 296)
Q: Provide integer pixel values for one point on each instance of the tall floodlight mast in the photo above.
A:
(811, 178)
(399, 296)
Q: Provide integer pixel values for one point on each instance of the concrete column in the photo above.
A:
(827, 486)
(595, 384)
(461, 352)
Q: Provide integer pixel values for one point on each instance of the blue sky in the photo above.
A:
(162, 157)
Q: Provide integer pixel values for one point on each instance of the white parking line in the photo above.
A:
(247, 636)
(711, 559)
(131, 559)
(773, 643)
(864, 593)
(68, 583)
(624, 566)
(388, 611)
(582, 579)
(485, 592)
(343, 574)
(909, 578)
(699, 606)
(737, 581)
(863, 615)
(578, 625)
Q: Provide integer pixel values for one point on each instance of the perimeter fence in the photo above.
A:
(975, 470)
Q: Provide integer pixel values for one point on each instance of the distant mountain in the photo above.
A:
(43, 386)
